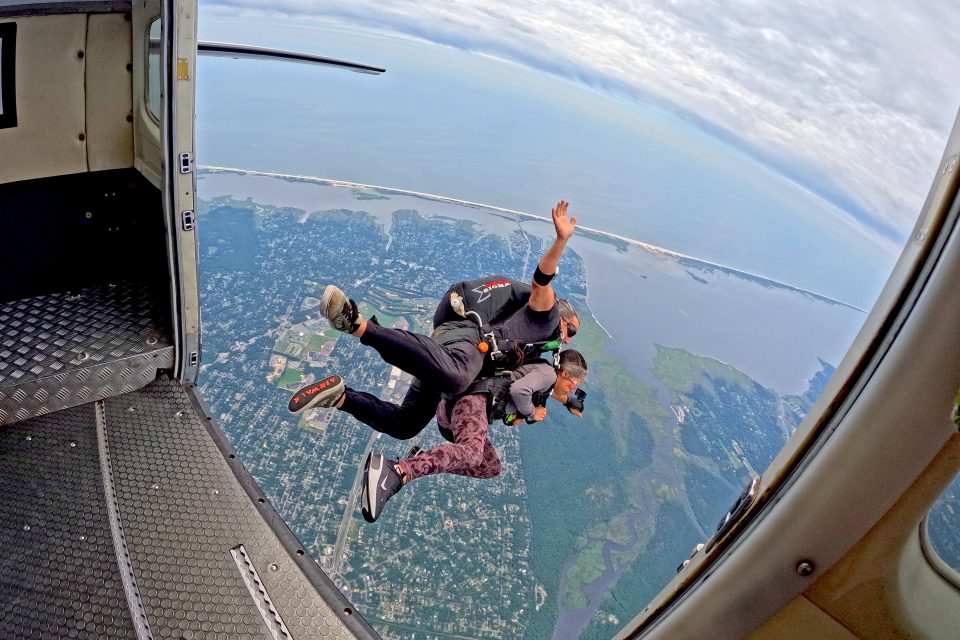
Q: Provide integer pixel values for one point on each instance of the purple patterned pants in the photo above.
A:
(471, 454)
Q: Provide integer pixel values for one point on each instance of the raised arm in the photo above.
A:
(542, 297)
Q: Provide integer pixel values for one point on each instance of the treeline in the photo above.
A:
(563, 459)
(672, 541)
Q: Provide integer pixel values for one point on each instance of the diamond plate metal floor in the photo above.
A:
(58, 570)
(63, 350)
(147, 482)
(199, 539)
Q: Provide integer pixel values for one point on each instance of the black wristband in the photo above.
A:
(541, 278)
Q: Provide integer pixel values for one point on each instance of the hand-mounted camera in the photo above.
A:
(576, 400)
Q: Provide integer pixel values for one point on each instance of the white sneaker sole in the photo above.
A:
(373, 474)
(331, 306)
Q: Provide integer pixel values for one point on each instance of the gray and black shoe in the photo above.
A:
(340, 310)
(324, 393)
(381, 481)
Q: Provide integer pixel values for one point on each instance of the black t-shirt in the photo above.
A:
(527, 325)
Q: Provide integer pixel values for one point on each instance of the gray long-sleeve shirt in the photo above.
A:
(527, 380)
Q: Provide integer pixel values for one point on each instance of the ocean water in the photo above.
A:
(472, 127)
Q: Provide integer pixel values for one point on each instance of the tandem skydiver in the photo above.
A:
(514, 398)
(513, 319)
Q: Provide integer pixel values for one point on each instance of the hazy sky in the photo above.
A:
(854, 100)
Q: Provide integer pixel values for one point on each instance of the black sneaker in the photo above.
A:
(324, 393)
(380, 482)
(340, 310)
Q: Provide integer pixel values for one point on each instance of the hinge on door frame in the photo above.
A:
(186, 162)
(187, 219)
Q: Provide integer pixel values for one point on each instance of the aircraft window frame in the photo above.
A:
(936, 222)
(947, 571)
(938, 564)
(147, 75)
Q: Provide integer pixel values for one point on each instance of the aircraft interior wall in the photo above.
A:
(85, 297)
(81, 230)
(72, 81)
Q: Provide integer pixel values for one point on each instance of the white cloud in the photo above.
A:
(853, 99)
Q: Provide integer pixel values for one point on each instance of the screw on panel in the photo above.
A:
(274, 567)
(805, 568)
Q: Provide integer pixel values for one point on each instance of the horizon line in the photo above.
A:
(650, 248)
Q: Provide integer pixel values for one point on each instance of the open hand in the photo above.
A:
(563, 225)
(539, 413)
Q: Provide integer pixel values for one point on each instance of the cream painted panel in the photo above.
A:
(184, 95)
(50, 100)
(884, 587)
(148, 152)
(801, 620)
(109, 86)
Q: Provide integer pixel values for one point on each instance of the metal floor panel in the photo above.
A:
(185, 516)
(58, 569)
(66, 349)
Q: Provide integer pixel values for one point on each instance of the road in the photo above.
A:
(343, 531)
(347, 519)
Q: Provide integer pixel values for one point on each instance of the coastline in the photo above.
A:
(644, 246)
